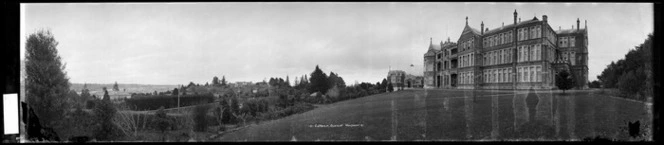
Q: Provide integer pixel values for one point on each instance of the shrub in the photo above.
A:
(104, 113)
(200, 121)
(91, 104)
(162, 122)
(630, 84)
(565, 80)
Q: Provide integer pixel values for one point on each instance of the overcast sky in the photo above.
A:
(175, 43)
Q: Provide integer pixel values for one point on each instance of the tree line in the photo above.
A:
(631, 75)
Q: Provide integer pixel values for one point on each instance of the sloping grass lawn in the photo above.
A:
(459, 115)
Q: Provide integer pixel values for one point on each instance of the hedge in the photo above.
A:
(153, 102)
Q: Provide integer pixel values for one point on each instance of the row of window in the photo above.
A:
(529, 73)
(567, 41)
(500, 75)
(498, 39)
(466, 77)
(570, 56)
(529, 52)
(468, 44)
(530, 32)
(466, 60)
(500, 56)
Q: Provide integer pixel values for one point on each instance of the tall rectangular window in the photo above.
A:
(470, 59)
(500, 57)
(527, 74)
(494, 76)
(520, 74)
(525, 53)
(512, 36)
(465, 60)
(509, 75)
(505, 74)
(504, 79)
(539, 73)
(495, 40)
(539, 31)
(532, 73)
(532, 52)
(486, 76)
(539, 52)
(495, 57)
(572, 41)
(502, 38)
(504, 52)
(518, 54)
(533, 30)
(572, 56)
(501, 77)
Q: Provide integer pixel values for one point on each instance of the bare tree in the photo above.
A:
(127, 122)
(242, 116)
(220, 115)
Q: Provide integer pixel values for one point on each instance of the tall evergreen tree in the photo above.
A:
(46, 82)
(223, 81)
(116, 87)
(384, 84)
(175, 91)
(318, 81)
(106, 96)
(104, 112)
(215, 81)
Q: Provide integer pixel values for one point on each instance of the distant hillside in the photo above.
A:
(131, 88)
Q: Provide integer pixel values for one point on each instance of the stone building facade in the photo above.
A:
(399, 78)
(522, 55)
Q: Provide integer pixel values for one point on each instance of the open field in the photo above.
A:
(453, 115)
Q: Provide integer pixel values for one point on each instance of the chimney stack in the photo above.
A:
(503, 24)
(430, 40)
(515, 14)
(586, 23)
(482, 28)
(519, 20)
(577, 24)
(545, 18)
(487, 29)
(466, 20)
(572, 27)
(560, 28)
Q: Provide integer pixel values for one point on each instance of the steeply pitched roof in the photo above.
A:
(491, 31)
(569, 31)
(434, 46)
(471, 29)
(430, 52)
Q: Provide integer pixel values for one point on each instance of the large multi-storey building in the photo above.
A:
(522, 55)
